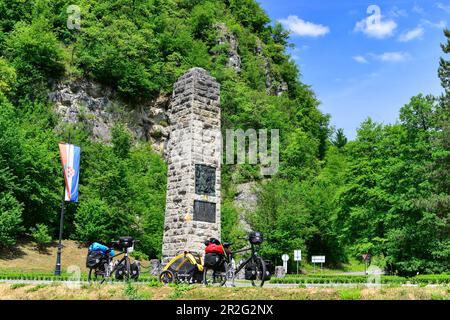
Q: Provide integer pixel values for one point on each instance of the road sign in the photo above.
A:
(285, 259)
(366, 257)
(297, 257)
(318, 259)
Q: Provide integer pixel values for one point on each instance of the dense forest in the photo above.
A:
(385, 193)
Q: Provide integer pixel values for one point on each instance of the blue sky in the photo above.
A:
(365, 64)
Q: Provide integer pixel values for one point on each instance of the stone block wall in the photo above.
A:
(194, 118)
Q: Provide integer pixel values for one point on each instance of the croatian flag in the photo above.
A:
(70, 160)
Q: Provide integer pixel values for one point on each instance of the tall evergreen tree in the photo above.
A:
(340, 140)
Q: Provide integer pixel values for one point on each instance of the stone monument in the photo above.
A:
(194, 159)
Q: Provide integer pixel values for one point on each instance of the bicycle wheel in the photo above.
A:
(95, 276)
(213, 278)
(166, 277)
(230, 274)
(260, 272)
(127, 270)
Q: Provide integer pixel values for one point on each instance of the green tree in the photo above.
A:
(7, 77)
(92, 221)
(121, 140)
(340, 140)
(10, 220)
(37, 56)
(41, 235)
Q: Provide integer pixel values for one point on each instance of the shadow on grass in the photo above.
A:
(11, 253)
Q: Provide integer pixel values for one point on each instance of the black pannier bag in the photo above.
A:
(135, 269)
(270, 270)
(94, 259)
(125, 242)
(255, 238)
(250, 271)
(214, 261)
(120, 271)
(211, 240)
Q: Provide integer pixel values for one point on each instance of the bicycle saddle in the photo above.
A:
(226, 244)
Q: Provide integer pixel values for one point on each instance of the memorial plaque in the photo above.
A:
(204, 211)
(205, 180)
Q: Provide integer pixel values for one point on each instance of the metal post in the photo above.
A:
(61, 227)
(297, 266)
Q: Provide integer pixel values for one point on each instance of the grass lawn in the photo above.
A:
(182, 292)
(26, 258)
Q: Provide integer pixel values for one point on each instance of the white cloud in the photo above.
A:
(397, 12)
(304, 28)
(440, 25)
(376, 29)
(416, 33)
(445, 7)
(392, 56)
(418, 9)
(360, 59)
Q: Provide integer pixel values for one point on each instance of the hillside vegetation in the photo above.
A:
(386, 193)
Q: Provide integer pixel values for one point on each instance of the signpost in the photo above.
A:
(297, 257)
(285, 259)
(318, 259)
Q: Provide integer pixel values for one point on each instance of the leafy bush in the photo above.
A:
(41, 235)
(421, 279)
(138, 255)
(10, 220)
(92, 221)
(432, 278)
(7, 76)
(37, 56)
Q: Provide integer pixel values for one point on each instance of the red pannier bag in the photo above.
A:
(214, 248)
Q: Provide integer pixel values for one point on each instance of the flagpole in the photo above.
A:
(61, 226)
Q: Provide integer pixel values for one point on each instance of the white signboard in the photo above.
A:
(297, 255)
(318, 259)
(285, 259)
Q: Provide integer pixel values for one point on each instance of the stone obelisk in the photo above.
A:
(194, 158)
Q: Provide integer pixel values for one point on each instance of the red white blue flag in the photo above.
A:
(70, 160)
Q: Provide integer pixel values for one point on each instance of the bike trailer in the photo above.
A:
(185, 267)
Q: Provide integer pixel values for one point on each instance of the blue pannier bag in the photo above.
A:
(102, 248)
(98, 247)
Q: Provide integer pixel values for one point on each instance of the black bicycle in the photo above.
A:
(219, 272)
(123, 269)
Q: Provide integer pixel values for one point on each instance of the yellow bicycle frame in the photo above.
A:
(188, 257)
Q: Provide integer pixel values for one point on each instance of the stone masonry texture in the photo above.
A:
(194, 119)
